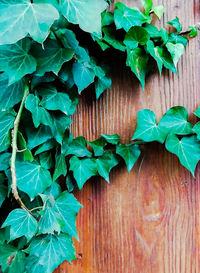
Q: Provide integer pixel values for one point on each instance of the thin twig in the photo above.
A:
(14, 153)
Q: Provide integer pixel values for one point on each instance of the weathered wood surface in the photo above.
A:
(148, 220)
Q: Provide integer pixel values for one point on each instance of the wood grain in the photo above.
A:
(147, 221)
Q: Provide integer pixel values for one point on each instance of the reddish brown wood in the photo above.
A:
(147, 221)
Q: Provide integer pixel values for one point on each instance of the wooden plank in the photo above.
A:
(148, 220)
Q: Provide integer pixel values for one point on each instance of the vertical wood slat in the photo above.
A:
(148, 220)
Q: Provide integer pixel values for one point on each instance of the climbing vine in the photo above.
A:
(50, 52)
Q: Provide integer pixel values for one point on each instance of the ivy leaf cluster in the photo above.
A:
(47, 59)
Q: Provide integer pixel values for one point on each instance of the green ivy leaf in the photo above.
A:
(130, 153)
(75, 11)
(54, 190)
(38, 136)
(4, 161)
(167, 59)
(16, 61)
(21, 224)
(158, 10)
(83, 75)
(53, 100)
(50, 251)
(12, 259)
(60, 166)
(197, 112)
(101, 84)
(78, 148)
(126, 18)
(46, 160)
(105, 163)
(153, 51)
(39, 114)
(175, 24)
(32, 178)
(51, 56)
(175, 38)
(22, 146)
(82, 169)
(109, 37)
(175, 121)
(137, 59)
(20, 17)
(46, 146)
(59, 214)
(193, 31)
(7, 119)
(187, 149)
(98, 145)
(196, 129)
(3, 189)
(147, 128)
(112, 139)
(60, 122)
(147, 4)
(136, 35)
(107, 18)
(10, 94)
(176, 51)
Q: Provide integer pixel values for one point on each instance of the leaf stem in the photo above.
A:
(14, 152)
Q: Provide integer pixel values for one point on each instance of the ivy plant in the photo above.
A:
(49, 54)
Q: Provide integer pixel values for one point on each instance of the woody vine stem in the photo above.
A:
(14, 152)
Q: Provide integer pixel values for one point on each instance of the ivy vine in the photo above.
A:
(50, 51)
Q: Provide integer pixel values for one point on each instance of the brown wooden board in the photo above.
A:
(147, 221)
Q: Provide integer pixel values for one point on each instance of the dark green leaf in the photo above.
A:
(193, 31)
(46, 160)
(175, 24)
(60, 166)
(6, 123)
(78, 147)
(136, 35)
(38, 136)
(98, 145)
(113, 139)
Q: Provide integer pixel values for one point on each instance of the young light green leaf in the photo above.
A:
(16, 60)
(51, 56)
(83, 75)
(51, 251)
(98, 145)
(78, 147)
(147, 128)
(158, 10)
(176, 51)
(75, 11)
(105, 163)
(21, 224)
(126, 18)
(112, 139)
(187, 149)
(39, 114)
(147, 4)
(175, 121)
(22, 146)
(82, 169)
(175, 24)
(6, 123)
(12, 259)
(137, 59)
(32, 178)
(130, 153)
(19, 18)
